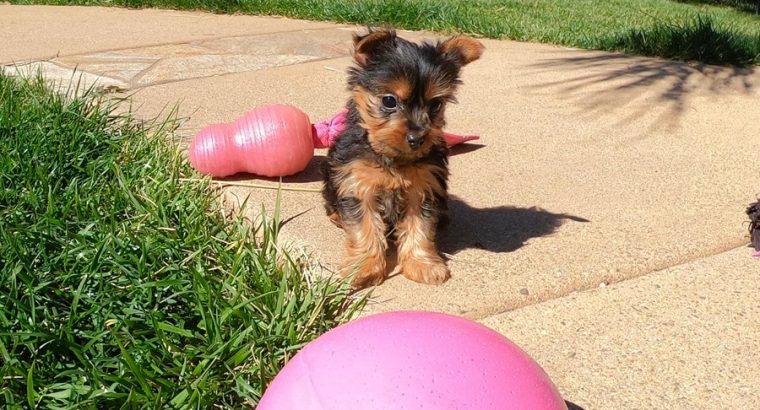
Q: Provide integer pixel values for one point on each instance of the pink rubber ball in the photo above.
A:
(272, 141)
(411, 360)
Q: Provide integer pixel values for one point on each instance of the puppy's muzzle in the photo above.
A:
(415, 140)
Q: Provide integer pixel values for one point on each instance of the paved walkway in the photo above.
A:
(598, 223)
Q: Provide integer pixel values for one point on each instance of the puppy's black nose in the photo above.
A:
(415, 141)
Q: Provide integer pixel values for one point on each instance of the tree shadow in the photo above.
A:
(700, 39)
(636, 88)
(498, 229)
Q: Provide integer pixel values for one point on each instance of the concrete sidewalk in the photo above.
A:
(593, 169)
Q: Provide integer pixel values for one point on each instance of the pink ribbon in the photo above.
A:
(325, 132)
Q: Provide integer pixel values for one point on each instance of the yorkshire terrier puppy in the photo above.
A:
(385, 178)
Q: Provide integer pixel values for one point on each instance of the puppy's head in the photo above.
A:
(401, 89)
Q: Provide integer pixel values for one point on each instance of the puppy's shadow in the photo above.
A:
(498, 229)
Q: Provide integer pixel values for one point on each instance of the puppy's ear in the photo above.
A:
(463, 50)
(367, 46)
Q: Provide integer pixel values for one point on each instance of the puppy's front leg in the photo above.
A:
(418, 257)
(366, 242)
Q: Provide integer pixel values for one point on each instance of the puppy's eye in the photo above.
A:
(435, 107)
(389, 102)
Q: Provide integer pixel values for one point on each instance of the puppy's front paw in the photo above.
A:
(366, 272)
(430, 271)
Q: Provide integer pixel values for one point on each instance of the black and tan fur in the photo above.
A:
(386, 176)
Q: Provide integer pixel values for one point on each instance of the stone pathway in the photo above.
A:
(130, 69)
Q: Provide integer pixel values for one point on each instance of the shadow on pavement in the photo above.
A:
(572, 406)
(313, 171)
(498, 229)
(634, 88)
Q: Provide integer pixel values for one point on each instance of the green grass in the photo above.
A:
(749, 6)
(595, 24)
(123, 285)
(698, 40)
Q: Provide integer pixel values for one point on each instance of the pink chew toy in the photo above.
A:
(411, 360)
(272, 141)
